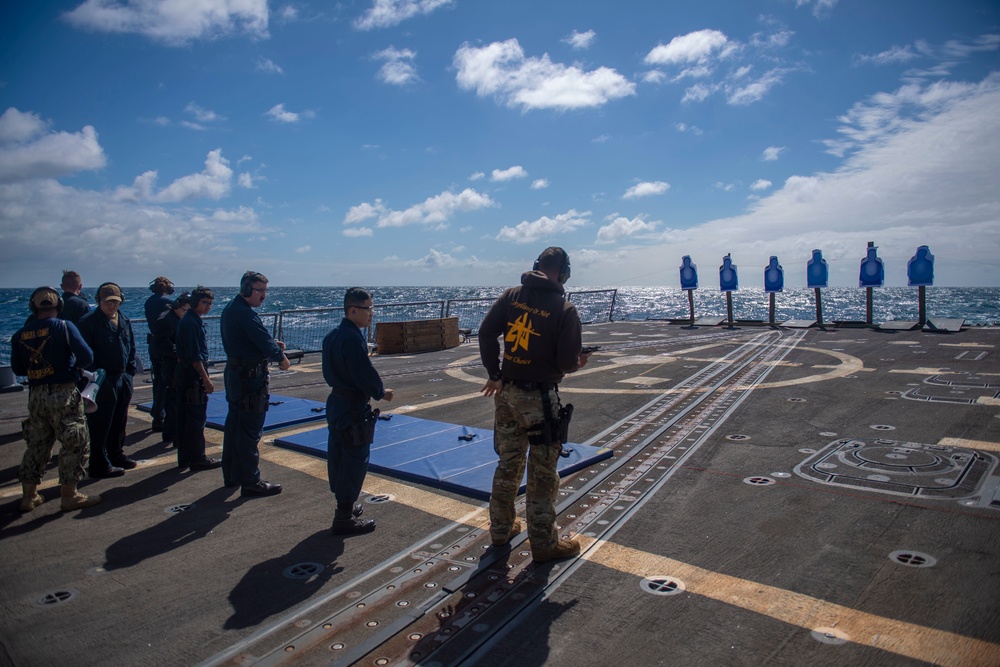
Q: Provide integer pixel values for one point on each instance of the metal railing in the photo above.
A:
(304, 329)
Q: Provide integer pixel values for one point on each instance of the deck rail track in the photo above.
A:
(451, 596)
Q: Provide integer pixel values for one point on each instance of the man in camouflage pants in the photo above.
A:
(542, 342)
(49, 351)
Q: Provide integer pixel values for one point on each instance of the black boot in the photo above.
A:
(345, 523)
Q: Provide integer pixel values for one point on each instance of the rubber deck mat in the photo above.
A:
(283, 411)
(446, 456)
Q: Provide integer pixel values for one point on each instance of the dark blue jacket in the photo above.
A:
(165, 335)
(49, 351)
(74, 307)
(349, 372)
(114, 349)
(154, 307)
(248, 347)
(192, 342)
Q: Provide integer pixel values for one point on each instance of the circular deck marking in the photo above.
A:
(882, 427)
(662, 585)
(912, 558)
(177, 509)
(758, 481)
(381, 498)
(737, 437)
(797, 400)
(830, 636)
(302, 571)
(57, 597)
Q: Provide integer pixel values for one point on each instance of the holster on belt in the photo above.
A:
(553, 430)
(363, 432)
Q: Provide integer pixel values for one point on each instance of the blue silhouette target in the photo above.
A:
(774, 276)
(920, 268)
(728, 281)
(817, 272)
(689, 273)
(872, 270)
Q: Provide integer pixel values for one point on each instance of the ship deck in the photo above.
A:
(776, 496)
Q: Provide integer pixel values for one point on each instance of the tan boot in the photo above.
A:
(562, 549)
(74, 500)
(30, 499)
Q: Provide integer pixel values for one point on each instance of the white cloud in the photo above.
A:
(18, 126)
(501, 175)
(478, 176)
(501, 70)
(646, 189)
(398, 69)
(26, 153)
(540, 183)
(897, 54)
(201, 114)
(725, 187)
(245, 180)
(544, 227)
(214, 182)
(580, 40)
(622, 227)
(821, 8)
(690, 48)
(756, 90)
(697, 92)
(693, 129)
(433, 211)
(772, 153)
(387, 13)
(269, 66)
(173, 22)
(279, 114)
(358, 232)
(303, 249)
(435, 259)
(760, 184)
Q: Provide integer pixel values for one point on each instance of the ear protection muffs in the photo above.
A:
(246, 289)
(34, 308)
(103, 285)
(564, 267)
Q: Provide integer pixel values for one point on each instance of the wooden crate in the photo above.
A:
(417, 335)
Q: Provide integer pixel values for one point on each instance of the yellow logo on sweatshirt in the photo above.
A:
(519, 333)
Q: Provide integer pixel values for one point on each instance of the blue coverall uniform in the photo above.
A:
(353, 380)
(248, 347)
(192, 346)
(114, 351)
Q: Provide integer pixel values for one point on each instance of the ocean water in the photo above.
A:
(977, 305)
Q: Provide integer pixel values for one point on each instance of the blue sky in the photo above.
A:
(446, 142)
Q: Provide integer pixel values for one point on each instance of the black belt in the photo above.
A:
(531, 385)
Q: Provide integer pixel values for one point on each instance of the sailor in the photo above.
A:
(165, 342)
(542, 342)
(75, 305)
(109, 334)
(156, 304)
(349, 417)
(248, 348)
(193, 385)
(50, 352)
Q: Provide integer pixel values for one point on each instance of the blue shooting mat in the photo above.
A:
(446, 456)
(283, 411)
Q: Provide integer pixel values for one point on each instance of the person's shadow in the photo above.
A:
(264, 590)
(178, 530)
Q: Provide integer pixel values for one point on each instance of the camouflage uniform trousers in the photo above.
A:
(55, 412)
(517, 411)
